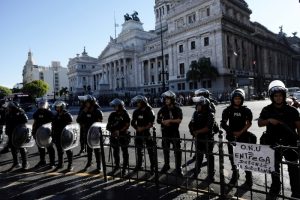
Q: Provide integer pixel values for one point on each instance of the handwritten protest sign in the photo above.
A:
(254, 157)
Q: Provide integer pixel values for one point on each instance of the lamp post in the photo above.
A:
(162, 56)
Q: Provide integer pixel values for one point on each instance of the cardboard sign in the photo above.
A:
(254, 157)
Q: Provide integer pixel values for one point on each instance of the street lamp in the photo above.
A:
(162, 56)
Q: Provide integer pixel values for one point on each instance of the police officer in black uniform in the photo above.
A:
(43, 116)
(60, 121)
(170, 117)
(283, 128)
(14, 117)
(83, 143)
(90, 114)
(201, 126)
(142, 120)
(2, 122)
(118, 124)
(240, 120)
(205, 93)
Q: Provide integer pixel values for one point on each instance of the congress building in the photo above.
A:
(245, 53)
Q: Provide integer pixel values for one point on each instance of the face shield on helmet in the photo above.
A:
(237, 93)
(202, 92)
(275, 87)
(202, 101)
(117, 102)
(139, 99)
(169, 94)
(60, 105)
(43, 104)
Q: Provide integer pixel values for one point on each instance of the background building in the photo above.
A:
(55, 75)
(246, 54)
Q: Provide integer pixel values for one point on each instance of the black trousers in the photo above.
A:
(246, 137)
(204, 145)
(120, 142)
(51, 153)
(90, 156)
(174, 139)
(292, 156)
(83, 143)
(60, 154)
(141, 139)
(14, 152)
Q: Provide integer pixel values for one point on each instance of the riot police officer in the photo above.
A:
(282, 128)
(43, 116)
(201, 126)
(2, 123)
(2, 115)
(83, 144)
(142, 120)
(60, 121)
(90, 114)
(14, 117)
(170, 116)
(240, 120)
(118, 124)
(205, 93)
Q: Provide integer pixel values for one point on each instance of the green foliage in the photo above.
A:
(201, 69)
(4, 91)
(36, 88)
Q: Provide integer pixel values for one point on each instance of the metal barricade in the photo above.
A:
(216, 188)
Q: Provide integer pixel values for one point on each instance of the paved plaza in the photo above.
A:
(46, 184)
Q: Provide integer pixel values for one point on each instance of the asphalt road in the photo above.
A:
(45, 184)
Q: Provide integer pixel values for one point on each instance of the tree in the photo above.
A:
(37, 88)
(64, 92)
(201, 69)
(4, 91)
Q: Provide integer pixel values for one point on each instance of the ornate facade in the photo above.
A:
(245, 53)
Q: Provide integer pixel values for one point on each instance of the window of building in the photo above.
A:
(181, 69)
(193, 45)
(181, 86)
(168, 8)
(206, 41)
(152, 78)
(192, 18)
(228, 62)
(167, 61)
(208, 12)
(152, 65)
(180, 48)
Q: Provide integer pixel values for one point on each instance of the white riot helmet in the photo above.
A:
(169, 94)
(43, 104)
(238, 93)
(276, 86)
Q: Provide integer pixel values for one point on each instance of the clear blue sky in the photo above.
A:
(56, 30)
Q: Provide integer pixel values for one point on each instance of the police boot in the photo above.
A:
(249, 179)
(42, 161)
(70, 160)
(139, 163)
(60, 164)
(51, 153)
(178, 163)
(166, 166)
(16, 163)
(125, 163)
(25, 164)
(234, 178)
(152, 160)
(89, 160)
